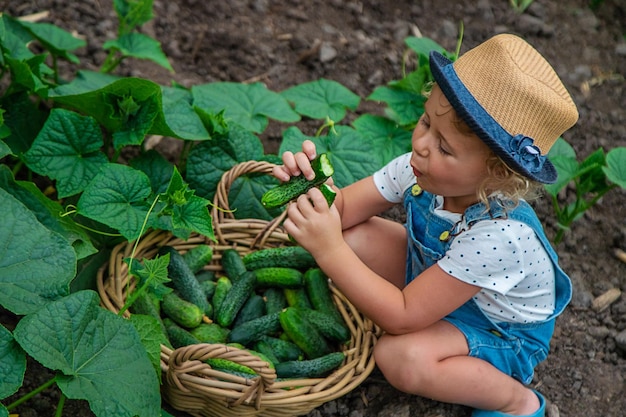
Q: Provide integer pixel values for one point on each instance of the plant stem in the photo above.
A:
(60, 405)
(31, 394)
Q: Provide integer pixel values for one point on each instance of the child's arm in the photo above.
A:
(424, 301)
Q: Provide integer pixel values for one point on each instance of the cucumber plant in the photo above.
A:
(70, 196)
(590, 179)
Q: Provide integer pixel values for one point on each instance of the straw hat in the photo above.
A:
(510, 96)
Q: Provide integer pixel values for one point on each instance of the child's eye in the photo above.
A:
(424, 122)
(442, 150)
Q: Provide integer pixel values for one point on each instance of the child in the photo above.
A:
(468, 305)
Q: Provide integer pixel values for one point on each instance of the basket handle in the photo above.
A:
(221, 212)
(187, 361)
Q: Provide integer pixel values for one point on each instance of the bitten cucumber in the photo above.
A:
(298, 185)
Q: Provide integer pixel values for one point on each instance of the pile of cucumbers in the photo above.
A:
(274, 302)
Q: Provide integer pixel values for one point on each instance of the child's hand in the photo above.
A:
(313, 224)
(296, 164)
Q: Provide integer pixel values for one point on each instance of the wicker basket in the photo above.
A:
(189, 384)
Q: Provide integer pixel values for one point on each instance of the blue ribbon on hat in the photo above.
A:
(528, 155)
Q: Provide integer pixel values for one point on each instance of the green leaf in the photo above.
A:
(615, 169)
(118, 197)
(15, 38)
(117, 106)
(68, 150)
(24, 119)
(152, 274)
(184, 212)
(98, 354)
(563, 149)
(47, 212)
(422, 46)
(567, 170)
(180, 114)
(152, 338)
(322, 98)
(137, 116)
(138, 45)
(208, 160)
(36, 264)
(12, 364)
(349, 153)
(249, 105)
(156, 167)
(132, 13)
(388, 139)
(58, 41)
(192, 216)
(404, 107)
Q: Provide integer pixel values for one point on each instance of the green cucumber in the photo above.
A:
(284, 350)
(209, 288)
(198, 257)
(282, 256)
(266, 350)
(276, 276)
(329, 193)
(327, 325)
(304, 334)
(297, 297)
(232, 264)
(235, 298)
(231, 367)
(210, 333)
(183, 312)
(205, 275)
(184, 279)
(318, 290)
(254, 308)
(311, 368)
(144, 304)
(177, 335)
(222, 286)
(275, 300)
(298, 185)
(252, 330)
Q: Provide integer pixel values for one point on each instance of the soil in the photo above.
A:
(359, 43)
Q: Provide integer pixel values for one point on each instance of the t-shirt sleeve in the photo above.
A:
(394, 178)
(493, 254)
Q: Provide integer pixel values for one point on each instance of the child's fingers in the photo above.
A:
(304, 165)
(308, 147)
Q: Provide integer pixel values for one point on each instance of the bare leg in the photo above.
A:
(433, 363)
(381, 245)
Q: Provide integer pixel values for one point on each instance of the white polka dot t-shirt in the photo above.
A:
(503, 257)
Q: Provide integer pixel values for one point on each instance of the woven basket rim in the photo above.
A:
(193, 386)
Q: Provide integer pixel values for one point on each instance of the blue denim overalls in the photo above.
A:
(513, 348)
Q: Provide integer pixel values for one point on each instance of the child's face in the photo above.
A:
(446, 161)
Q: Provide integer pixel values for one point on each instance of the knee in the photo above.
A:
(407, 368)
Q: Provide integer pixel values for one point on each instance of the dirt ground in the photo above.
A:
(359, 43)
